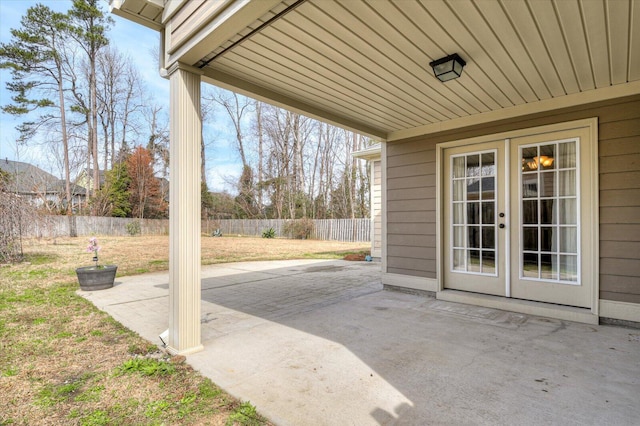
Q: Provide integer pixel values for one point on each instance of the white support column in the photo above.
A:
(184, 210)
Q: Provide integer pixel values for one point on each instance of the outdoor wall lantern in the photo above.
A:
(448, 68)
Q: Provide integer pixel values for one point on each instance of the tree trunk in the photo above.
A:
(260, 160)
(94, 128)
(65, 148)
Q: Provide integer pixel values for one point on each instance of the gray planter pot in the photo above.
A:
(96, 278)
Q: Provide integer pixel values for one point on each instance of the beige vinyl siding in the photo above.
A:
(411, 209)
(190, 18)
(411, 198)
(620, 203)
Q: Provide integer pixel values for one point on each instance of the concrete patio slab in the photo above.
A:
(320, 343)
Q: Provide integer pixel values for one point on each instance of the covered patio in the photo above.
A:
(551, 79)
(320, 343)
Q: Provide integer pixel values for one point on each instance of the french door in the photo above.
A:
(517, 218)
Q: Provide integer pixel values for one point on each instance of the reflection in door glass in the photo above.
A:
(549, 212)
(473, 210)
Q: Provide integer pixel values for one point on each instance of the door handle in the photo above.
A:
(502, 225)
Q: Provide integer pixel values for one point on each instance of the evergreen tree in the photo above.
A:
(36, 57)
(113, 198)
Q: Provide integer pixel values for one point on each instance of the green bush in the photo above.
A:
(269, 233)
(299, 229)
(133, 228)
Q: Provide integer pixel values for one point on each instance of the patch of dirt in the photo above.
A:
(358, 257)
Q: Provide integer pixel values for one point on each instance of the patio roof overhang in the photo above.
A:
(364, 64)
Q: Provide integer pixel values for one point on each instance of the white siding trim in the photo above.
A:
(439, 222)
(410, 282)
(620, 310)
(383, 183)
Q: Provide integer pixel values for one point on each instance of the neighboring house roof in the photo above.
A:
(31, 180)
(374, 152)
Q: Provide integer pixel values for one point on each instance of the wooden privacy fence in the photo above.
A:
(356, 230)
(60, 226)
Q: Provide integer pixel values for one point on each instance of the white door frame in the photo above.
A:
(442, 184)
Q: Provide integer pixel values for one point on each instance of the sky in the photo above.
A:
(140, 44)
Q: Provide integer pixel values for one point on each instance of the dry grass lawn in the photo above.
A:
(65, 362)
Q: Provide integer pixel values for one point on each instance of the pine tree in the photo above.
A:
(36, 57)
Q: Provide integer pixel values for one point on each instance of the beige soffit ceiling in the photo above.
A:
(143, 12)
(364, 64)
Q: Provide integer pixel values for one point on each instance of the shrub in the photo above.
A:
(133, 228)
(269, 233)
(299, 229)
(16, 215)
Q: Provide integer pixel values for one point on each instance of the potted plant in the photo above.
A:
(97, 277)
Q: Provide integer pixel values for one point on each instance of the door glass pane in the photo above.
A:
(458, 236)
(569, 239)
(549, 266)
(567, 155)
(546, 160)
(568, 213)
(488, 164)
(529, 159)
(473, 213)
(547, 184)
(567, 182)
(530, 239)
(530, 185)
(458, 167)
(550, 208)
(530, 265)
(569, 268)
(473, 260)
(488, 237)
(548, 239)
(488, 213)
(547, 212)
(473, 165)
(530, 212)
(488, 262)
(458, 190)
(474, 237)
(458, 213)
(488, 188)
(473, 189)
(458, 260)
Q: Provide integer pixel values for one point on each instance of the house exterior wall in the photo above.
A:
(411, 194)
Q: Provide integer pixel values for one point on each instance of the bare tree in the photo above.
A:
(119, 94)
(158, 142)
(89, 26)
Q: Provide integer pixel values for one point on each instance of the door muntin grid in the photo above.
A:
(473, 221)
(549, 212)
